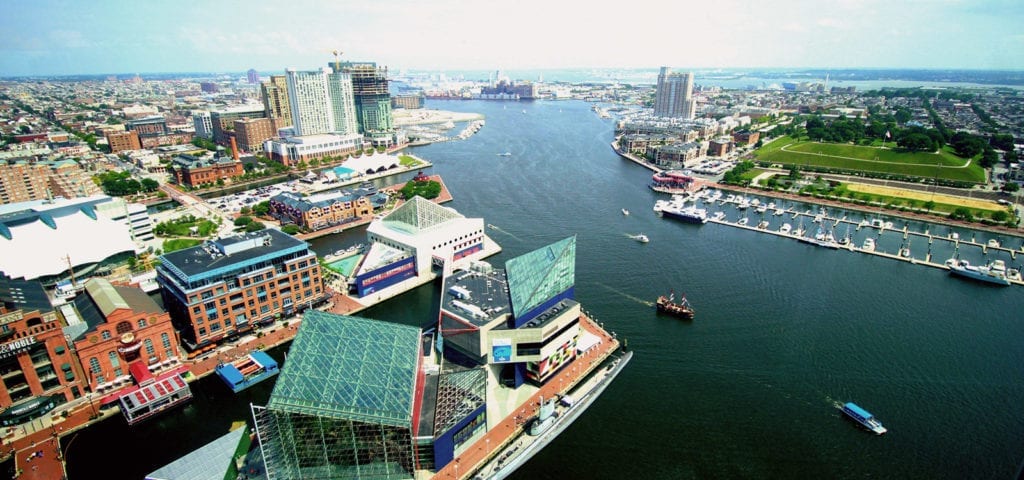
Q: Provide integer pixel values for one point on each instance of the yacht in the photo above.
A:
(640, 238)
(785, 228)
(993, 272)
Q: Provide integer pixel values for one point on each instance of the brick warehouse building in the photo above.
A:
(224, 288)
(121, 326)
(37, 368)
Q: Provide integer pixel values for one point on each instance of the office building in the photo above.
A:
(208, 87)
(203, 124)
(223, 288)
(122, 141)
(674, 95)
(275, 101)
(252, 76)
(250, 133)
(224, 121)
(38, 370)
(155, 125)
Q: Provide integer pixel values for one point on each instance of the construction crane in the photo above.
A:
(337, 61)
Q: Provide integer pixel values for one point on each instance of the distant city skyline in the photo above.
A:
(54, 37)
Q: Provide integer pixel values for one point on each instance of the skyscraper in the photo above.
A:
(309, 96)
(674, 95)
(371, 96)
(275, 101)
(252, 76)
(343, 103)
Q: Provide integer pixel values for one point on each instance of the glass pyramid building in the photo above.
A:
(342, 406)
(419, 214)
(541, 278)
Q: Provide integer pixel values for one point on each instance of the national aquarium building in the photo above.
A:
(367, 399)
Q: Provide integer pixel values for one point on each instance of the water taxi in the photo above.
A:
(864, 418)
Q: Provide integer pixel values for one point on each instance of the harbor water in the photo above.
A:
(784, 331)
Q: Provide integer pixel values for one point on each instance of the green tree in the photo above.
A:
(255, 226)
(261, 209)
(149, 185)
(962, 213)
(1011, 187)
(290, 229)
(243, 221)
(245, 210)
(929, 205)
(1000, 216)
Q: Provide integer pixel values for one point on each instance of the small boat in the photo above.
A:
(640, 238)
(247, 371)
(625, 212)
(993, 243)
(743, 221)
(718, 216)
(864, 418)
(668, 305)
(785, 228)
(505, 154)
(762, 225)
(869, 245)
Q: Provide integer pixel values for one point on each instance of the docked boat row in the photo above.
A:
(876, 236)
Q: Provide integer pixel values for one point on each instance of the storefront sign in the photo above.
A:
(12, 348)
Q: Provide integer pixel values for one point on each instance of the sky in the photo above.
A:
(53, 37)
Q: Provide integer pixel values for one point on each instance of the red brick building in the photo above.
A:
(194, 171)
(250, 133)
(37, 368)
(123, 327)
(121, 141)
(746, 138)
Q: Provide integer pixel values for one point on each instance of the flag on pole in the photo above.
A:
(887, 134)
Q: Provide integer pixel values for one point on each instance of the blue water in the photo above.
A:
(783, 331)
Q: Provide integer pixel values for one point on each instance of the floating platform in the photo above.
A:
(247, 371)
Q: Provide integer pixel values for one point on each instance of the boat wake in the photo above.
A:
(639, 300)
(498, 229)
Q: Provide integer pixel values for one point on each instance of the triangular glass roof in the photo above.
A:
(417, 215)
(351, 368)
(537, 276)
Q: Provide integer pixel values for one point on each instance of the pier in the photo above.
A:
(756, 216)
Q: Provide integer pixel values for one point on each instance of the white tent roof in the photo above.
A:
(35, 250)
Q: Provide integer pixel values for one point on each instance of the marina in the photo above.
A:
(873, 235)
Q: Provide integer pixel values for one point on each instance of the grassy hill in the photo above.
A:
(943, 165)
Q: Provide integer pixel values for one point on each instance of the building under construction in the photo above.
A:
(372, 99)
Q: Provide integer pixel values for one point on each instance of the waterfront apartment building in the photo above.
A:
(224, 121)
(674, 95)
(309, 97)
(123, 141)
(37, 369)
(224, 288)
(116, 328)
(274, 93)
(408, 102)
(323, 210)
(250, 133)
(343, 103)
(23, 180)
(194, 171)
(680, 155)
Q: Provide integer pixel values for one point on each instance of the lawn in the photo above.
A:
(943, 164)
(180, 243)
(408, 161)
(181, 227)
